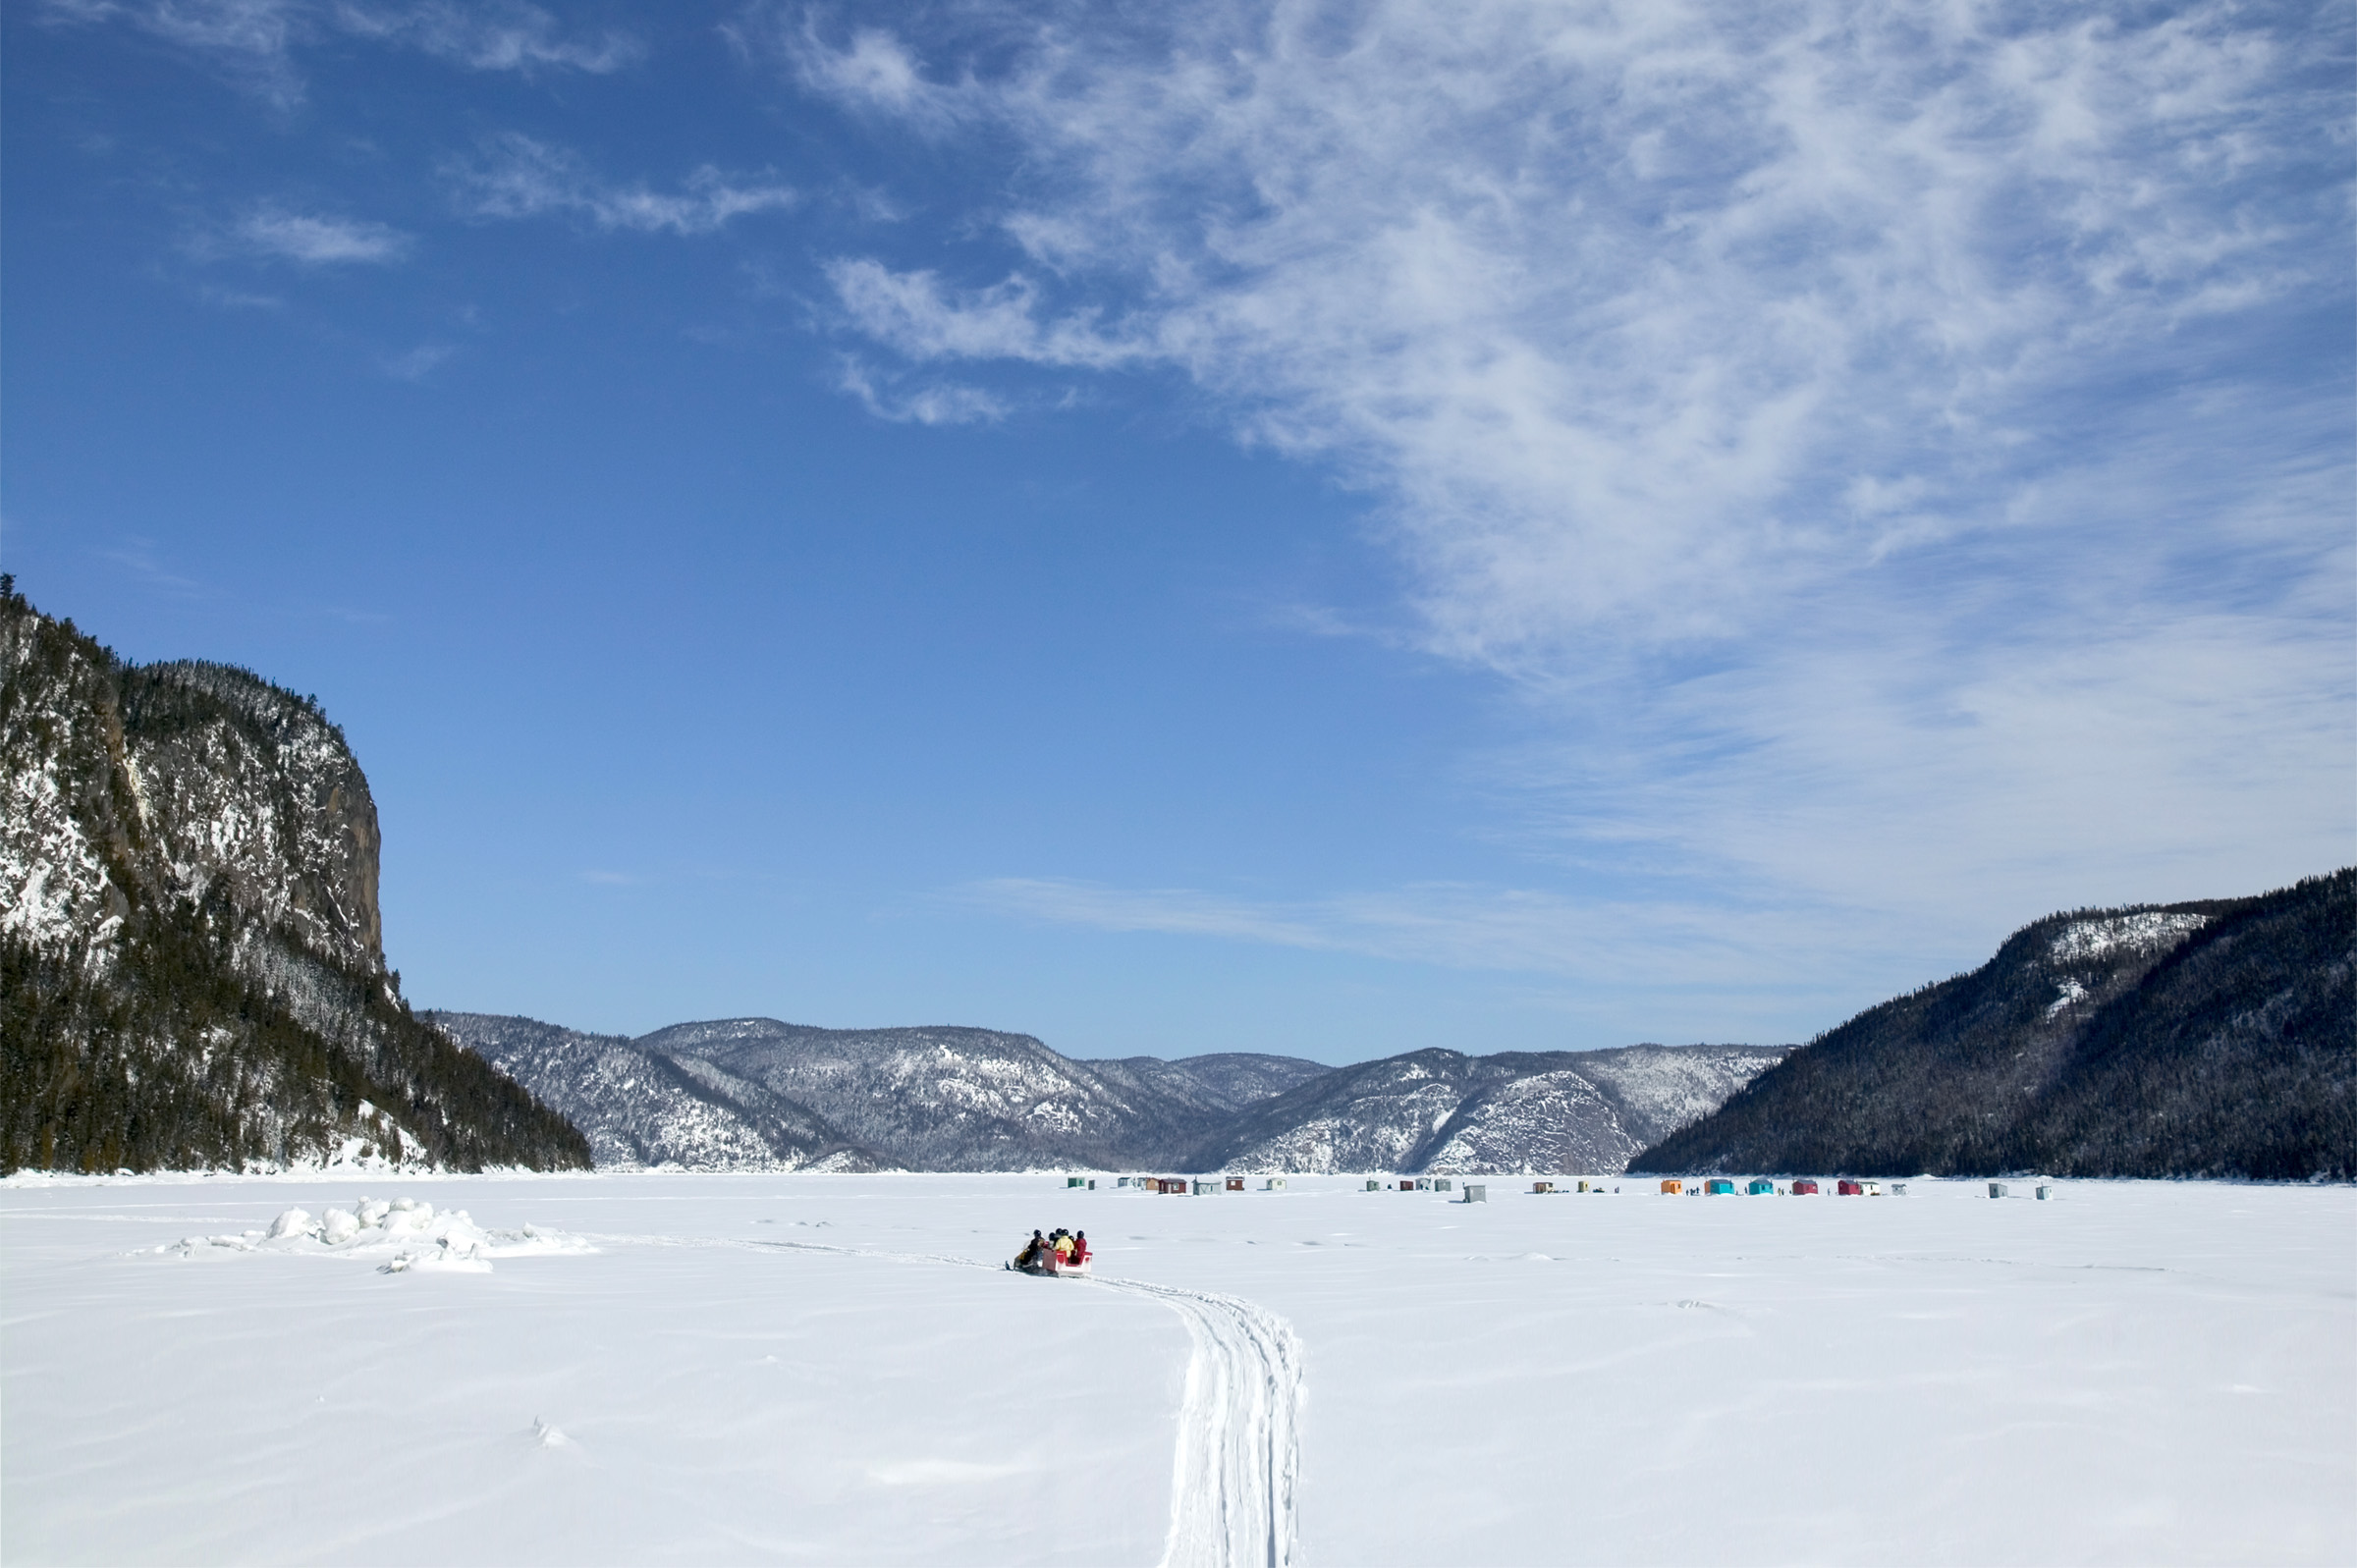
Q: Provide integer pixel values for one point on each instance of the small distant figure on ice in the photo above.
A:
(1058, 1252)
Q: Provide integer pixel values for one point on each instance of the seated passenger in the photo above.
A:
(1079, 1249)
(1033, 1251)
(1063, 1246)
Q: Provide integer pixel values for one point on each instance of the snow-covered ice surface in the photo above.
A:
(833, 1368)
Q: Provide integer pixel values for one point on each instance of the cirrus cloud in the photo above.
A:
(1900, 456)
(516, 175)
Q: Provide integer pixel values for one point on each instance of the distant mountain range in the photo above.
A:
(191, 976)
(192, 973)
(1511, 1113)
(2214, 1039)
(756, 1093)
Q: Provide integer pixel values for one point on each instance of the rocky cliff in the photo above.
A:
(192, 962)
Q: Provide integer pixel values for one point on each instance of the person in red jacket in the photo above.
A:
(1079, 1248)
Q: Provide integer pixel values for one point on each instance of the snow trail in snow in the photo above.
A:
(1240, 1448)
(1238, 1458)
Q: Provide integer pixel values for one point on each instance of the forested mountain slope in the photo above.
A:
(1513, 1112)
(959, 1098)
(2213, 1038)
(192, 971)
(947, 1098)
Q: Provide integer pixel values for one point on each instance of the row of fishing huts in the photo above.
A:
(1671, 1187)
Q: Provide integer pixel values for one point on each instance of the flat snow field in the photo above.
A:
(834, 1370)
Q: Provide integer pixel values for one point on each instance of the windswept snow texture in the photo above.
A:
(835, 1368)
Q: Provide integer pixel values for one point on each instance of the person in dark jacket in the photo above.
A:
(1033, 1251)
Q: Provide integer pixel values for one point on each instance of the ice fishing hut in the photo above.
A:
(1273, 1184)
(1202, 1188)
(1542, 1186)
(1373, 1185)
(1874, 1189)
(1996, 1189)
(1719, 1187)
(1846, 1188)
(1075, 1181)
(1475, 1192)
(1672, 1187)
(1761, 1186)
(1235, 1185)
(1423, 1184)
(1804, 1187)
(1444, 1184)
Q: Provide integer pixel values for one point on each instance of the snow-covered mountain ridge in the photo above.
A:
(2210, 1039)
(757, 1094)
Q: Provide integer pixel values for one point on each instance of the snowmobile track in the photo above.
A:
(1238, 1460)
(1239, 1446)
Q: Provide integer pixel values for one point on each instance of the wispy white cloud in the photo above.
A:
(1619, 306)
(911, 312)
(1901, 455)
(250, 43)
(255, 44)
(1448, 925)
(516, 175)
(928, 402)
(239, 299)
(871, 70)
(312, 238)
(415, 364)
(141, 557)
(490, 37)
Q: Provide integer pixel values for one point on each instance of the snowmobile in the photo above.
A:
(1047, 1262)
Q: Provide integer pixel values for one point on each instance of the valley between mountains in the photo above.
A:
(196, 980)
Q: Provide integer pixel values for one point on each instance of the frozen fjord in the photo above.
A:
(2131, 1373)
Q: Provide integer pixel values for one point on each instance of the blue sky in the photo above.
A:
(1314, 528)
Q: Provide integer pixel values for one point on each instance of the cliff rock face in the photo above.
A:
(193, 963)
(2214, 1038)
